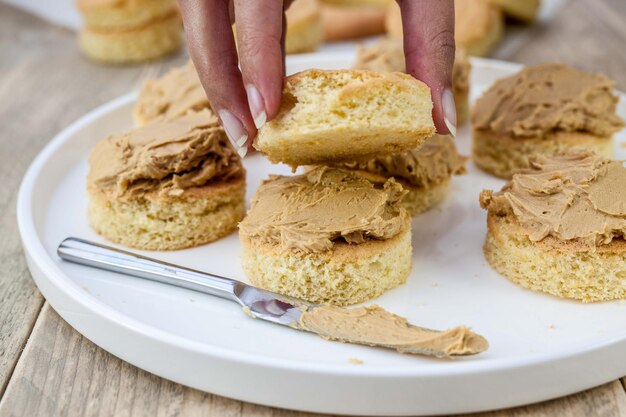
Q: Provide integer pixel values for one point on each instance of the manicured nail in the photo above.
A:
(449, 111)
(257, 106)
(242, 151)
(234, 129)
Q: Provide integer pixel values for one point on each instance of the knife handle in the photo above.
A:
(92, 254)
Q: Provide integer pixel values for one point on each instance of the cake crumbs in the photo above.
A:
(355, 361)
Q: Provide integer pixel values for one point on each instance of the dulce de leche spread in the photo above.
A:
(310, 212)
(164, 157)
(576, 197)
(547, 98)
(172, 95)
(375, 326)
(435, 161)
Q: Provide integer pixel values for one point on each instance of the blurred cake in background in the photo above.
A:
(349, 19)
(479, 25)
(522, 10)
(304, 27)
(126, 31)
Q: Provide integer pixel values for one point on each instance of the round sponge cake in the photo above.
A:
(329, 116)
(541, 110)
(327, 236)
(167, 185)
(560, 227)
(304, 27)
(347, 274)
(199, 216)
(128, 45)
(124, 14)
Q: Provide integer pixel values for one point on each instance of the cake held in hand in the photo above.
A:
(125, 31)
(387, 55)
(560, 227)
(347, 21)
(544, 109)
(328, 236)
(171, 96)
(167, 185)
(425, 173)
(329, 116)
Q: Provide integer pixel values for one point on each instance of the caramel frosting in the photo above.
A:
(576, 197)
(172, 95)
(310, 212)
(435, 161)
(547, 98)
(164, 157)
(375, 326)
(387, 55)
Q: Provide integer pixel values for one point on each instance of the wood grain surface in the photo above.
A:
(47, 368)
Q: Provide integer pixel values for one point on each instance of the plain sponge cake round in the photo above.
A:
(329, 116)
(124, 14)
(327, 236)
(560, 227)
(543, 109)
(167, 185)
(304, 27)
(128, 45)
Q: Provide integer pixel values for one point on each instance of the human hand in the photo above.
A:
(428, 27)
(245, 99)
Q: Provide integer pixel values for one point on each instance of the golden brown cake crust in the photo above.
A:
(562, 269)
(153, 222)
(347, 274)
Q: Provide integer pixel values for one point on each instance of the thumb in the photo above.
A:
(428, 27)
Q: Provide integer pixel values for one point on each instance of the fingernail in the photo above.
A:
(234, 129)
(257, 105)
(242, 151)
(449, 111)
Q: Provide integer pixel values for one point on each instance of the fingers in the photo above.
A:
(428, 27)
(212, 49)
(259, 39)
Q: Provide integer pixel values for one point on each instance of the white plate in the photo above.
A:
(541, 347)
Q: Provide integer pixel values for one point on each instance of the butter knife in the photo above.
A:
(273, 307)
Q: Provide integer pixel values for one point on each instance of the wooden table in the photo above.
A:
(47, 368)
